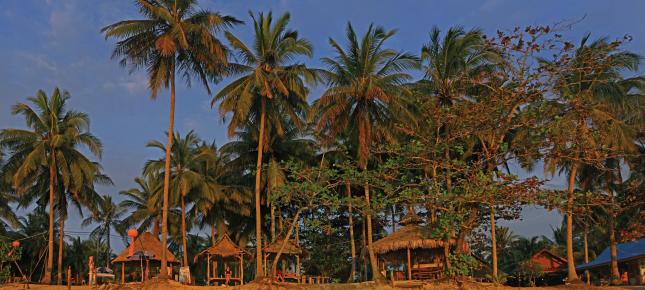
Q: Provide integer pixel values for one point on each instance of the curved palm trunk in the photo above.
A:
(47, 277)
(258, 216)
(183, 231)
(571, 267)
(586, 244)
(493, 240)
(61, 242)
(163, 273)
(352, 273)
(292, 226)
(368, 217)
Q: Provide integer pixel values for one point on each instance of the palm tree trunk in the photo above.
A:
(183, 231)
(212, 235)
(47, 277)
(571, 267)
(613, 252)
(155, 227)
(352, 274)
(293, 225)
(163, 273)
(109, 248)
(493, 240)
(586, 244)
(258, 174)
(368, 217)
(61, 242)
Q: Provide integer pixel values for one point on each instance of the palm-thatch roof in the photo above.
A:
(146, 245)
(411, 236)
(224, 247)
(291, 248)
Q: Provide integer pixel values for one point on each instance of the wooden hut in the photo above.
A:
(226, 252)
(147, 250)
(290, 253)
(412, 245)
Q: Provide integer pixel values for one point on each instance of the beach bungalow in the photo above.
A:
(143, 259)
(631, 264)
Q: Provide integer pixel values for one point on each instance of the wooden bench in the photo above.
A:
(235, 280)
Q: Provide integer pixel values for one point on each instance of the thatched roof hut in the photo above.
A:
(291, 248)
(148, 246)
(224, 247)
(412, 236)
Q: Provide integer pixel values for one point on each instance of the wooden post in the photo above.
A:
(69, 277)
(122, 273)
(409, 266)
(208, 269)
(298, 267)
(242, 269)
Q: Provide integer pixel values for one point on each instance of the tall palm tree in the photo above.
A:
(272, 86)
(8, 217)
(186, 179)
(365, 82)
(50, 149)
(590, 90)
(175, 36)
(107, 216)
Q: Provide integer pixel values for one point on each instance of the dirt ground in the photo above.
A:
(256, 286)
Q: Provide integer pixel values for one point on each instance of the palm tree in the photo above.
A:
(186, 179)
(108, 216)
(175, 36)
(272, 86)
(143, 211)
(50, 150)
(591, 96)
(231, 200)
(365, 83)
(8, 217)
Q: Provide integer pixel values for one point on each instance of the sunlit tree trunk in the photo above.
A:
(352, 273)
(109, 248)
(258, 216)
(493, 239)
(571, 267)
(47, 277)
(61, 243)
(370, 249)
(586, 244)
(613, 252)
(163, 273)
(183, 230)
(155, 227)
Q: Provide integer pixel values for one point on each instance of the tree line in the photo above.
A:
(378, 142)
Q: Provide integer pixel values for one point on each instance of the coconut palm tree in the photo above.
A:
(174, 37)
(232, 198)
(271, 86)
(49, 152)
(592, 94)
(107, 216)
(186, 179)
(365, 82)
(8, 217)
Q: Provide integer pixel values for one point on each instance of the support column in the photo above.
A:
(298, 267)
(122, 273)
(208, 269)
(409, 266)
(242, 269)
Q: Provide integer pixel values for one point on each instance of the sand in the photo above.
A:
(153, 285)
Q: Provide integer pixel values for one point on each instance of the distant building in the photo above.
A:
(631, 260)
(549, 262)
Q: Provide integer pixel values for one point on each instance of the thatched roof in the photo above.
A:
(412, 236)
(224, 247)
(146, 245)
(291, 248)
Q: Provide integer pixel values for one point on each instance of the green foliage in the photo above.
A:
(7, 261)
(461, 265)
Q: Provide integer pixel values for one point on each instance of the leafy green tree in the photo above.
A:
(271, 86)
(175, 36)
(365, 83)
(50, 149)
(107, 216)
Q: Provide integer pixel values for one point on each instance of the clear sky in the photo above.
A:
(48, 43)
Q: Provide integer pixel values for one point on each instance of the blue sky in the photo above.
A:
(48, 43)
